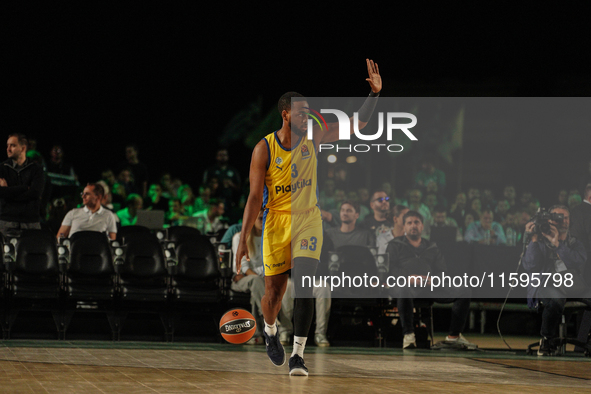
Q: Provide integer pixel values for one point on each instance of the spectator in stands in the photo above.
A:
(175, 215)
(469, 218)
(106, 200)
(458, 208)
(210, 221)
(109, 177)
(363, 195)
(397, 230)
(138, 169)
(428, 174)
(342, 180)
(473, 193)
(412, 255)
(128, 215)
(227, 177)
(432, 188)
(229, 234)
(580, 225)
(475, 205)
(525, 199)
(202, 201)
(574, 200)
(326, 197)
(415, 204)
(440, 219)
(349, 233)
(510, 195)
(332, 217)
(251, 276)
(119, 195)
(563, 197)
(61, 173)
(93, 217)
(165, 183)
(44, 203)
(185, 193)
(555, 252)
(585, 180)
(501, 210)
(521, 219)
(380, 221)
(488, 199)
(485, 230)
(125, 178)
(21, 186)
(155, 200)
(431, 201)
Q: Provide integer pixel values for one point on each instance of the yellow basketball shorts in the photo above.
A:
(287, 236)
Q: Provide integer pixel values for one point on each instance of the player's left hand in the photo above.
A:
(553, 236)
(375, 80)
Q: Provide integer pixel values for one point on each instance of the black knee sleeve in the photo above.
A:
(302, 316)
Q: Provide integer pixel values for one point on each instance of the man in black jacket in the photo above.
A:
(580, 228)
(21, 185)
(412, 256)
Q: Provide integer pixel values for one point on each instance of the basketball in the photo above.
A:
(237, 326)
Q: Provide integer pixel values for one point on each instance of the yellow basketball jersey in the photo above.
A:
(290, 181)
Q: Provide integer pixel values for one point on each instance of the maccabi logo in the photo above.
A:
(344, 127)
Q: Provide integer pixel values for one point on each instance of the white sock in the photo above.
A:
(299, 344)
(271, 330)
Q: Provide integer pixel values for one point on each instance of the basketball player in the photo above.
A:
(283, 180)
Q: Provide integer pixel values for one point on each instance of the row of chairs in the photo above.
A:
(141, 271)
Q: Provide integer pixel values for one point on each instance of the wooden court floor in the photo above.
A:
(155, 367)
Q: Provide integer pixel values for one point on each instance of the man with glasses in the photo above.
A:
(380, 222)
(93, 217)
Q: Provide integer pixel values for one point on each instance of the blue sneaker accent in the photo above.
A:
(297, 366)
(274, 349)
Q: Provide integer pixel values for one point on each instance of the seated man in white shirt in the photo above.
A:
(93, 217)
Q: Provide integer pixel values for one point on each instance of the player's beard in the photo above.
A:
(297, 131)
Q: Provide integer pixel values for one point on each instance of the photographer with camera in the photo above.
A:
(553, 250)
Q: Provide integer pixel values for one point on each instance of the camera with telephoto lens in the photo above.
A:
(541, 221)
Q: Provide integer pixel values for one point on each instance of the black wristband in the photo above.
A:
(368, 106)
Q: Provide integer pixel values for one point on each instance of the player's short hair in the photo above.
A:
(351, 203)
(22, 139)
(412, 214)
(285, 101)
(97, 188)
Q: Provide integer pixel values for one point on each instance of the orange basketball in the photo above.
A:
(237, 325)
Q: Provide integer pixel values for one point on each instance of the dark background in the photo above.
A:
(170, 76)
